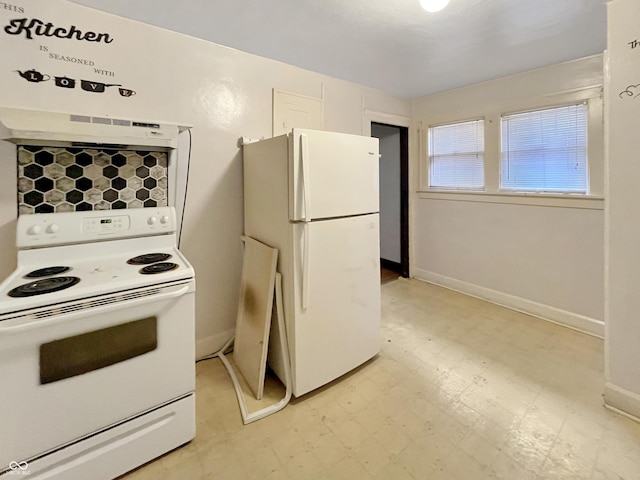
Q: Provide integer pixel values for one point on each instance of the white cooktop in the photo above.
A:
(95, 246)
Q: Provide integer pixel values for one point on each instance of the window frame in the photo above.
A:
(427, 152)
(501, 187)
(592, 95)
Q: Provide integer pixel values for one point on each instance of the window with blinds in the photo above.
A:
(456, 155)
(545, 150)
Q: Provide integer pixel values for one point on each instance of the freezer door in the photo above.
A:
(331, 175)
(336, 311)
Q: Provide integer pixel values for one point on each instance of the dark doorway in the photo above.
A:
(394, 196)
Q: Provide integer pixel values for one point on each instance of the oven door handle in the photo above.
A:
(34, 324)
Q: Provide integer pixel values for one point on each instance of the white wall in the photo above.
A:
(389, 138)
(222, 93)
(622, 341)
(541, 254)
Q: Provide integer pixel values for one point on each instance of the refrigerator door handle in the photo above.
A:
(305, 268)
(306, 184)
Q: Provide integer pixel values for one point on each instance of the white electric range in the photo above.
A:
(97, 352)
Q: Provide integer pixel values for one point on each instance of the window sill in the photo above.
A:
(589, 202)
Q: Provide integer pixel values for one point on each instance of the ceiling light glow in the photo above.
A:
(434, 5)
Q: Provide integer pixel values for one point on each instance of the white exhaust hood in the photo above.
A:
(62, 129)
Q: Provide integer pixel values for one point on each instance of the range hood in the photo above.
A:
(29, 127)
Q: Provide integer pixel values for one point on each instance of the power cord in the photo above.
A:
(186, 188)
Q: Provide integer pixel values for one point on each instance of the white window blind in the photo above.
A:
(545, 150)
(456, 155)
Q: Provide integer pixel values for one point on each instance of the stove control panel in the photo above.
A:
(110, 224)
(48, 229)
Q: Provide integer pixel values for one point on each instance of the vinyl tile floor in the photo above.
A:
(461, 390)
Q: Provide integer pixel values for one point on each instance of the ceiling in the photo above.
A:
(391, 45)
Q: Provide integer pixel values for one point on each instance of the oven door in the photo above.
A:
(73, 369)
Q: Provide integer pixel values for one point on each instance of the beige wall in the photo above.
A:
(222, 93)
(541, 254)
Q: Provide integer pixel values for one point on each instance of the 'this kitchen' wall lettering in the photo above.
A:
(13, 8)
(39, 28)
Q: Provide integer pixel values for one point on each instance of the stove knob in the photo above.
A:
(164, 219)
(34, 230)
(152, 220)
(53, 228)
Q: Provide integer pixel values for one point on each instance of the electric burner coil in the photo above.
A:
(47, 272)
(158, 268)
(149, 258)
(45, 285)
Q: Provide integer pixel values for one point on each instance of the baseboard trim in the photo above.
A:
(622, 401)
(390, 265)
(545, 312)
(212, 344)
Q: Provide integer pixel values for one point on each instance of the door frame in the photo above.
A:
(403, 267)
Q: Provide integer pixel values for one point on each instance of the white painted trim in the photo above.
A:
(623, 401)
(369, 116)
(209, 345)
(417, 149)
(300, 95)
(545, 312)
(607, 217)
(388, 118)
(535, 199)
(467, 103)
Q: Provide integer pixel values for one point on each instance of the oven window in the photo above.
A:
(91, 351)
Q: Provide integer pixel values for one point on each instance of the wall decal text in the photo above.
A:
(39, 28)
(13, 8)
(631, 91)
(634, 44)
(65, 58)
(108, 73)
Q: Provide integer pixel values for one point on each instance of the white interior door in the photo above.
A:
(339, 328)
(332, 175)
(291, 110)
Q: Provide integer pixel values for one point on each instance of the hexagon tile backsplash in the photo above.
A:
(54, 179)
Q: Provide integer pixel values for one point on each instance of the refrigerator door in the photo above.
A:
(331, 175)
(336, 299)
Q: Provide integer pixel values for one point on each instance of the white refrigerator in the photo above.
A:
(313, 195)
